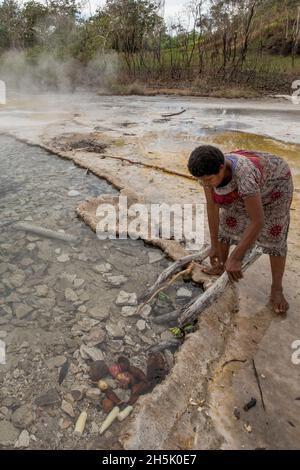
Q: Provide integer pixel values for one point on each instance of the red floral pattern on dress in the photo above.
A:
(275, 195)
(231, 222)
(226, 198)
(276, 230)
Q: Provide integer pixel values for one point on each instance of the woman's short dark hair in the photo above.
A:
(205, 161)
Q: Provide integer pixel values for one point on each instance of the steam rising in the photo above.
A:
(48, 73)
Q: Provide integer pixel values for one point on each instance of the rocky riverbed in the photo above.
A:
(66, 302)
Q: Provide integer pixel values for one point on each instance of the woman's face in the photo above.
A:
(213, 181)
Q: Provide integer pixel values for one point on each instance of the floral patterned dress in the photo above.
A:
(255, 172)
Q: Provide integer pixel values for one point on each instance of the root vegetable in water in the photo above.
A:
(137, 390)
(114, 370)
(156, 368)
(138, 374)
(107, 405)
(110, 394)
(125, 379)
(124, 363)
(102, 385)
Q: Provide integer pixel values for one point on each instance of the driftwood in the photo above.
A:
(167, 284)
(171, 316)
(189, 313)
(170, 344)
(161, 281)
(213, 293)
(6, 223)
(174, 114)
(44, 232)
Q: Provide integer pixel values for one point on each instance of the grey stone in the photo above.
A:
(82, 257)
(102, 268)
(154, 257)
(93, 394)
(116, 281)
(78, 392)
(73, 193)
(166, 336)
(126, 298)
(78, 283)
(22, 417)
(145, 312)
(91, 353)
(94, 428)
(23, 440)
(13, 297)
(68, 277)
(63, 258)
(141, 325)
(86, 324)
(8, 434)
(31, 246)
(26, 262)
(169, 358)
(82, 309)
(51, 397)
(42, 290)
(17, 279)
(128, 311)
(84, 297)
(32, 238)
(57, 361)
(99, 313)
(16, 374)
(115, 330)
(22, 310)
(184, 293)
(67, 408)
(70, 295)
(96, 336)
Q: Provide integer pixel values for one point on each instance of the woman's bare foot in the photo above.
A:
(279, 303)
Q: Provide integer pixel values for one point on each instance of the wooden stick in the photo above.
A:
(172, 316)
(258, 384)
(213, 293)
(44, 232)
(147, 165)
(171, 343)
(167, 285)
(164, 276)
(174, 114)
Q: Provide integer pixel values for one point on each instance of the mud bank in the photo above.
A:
(194, 407)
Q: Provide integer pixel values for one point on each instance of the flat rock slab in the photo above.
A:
(51, 397)
(8, 434)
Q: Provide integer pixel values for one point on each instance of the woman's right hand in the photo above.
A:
(217, 267)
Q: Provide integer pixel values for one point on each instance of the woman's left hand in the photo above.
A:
(233, 268)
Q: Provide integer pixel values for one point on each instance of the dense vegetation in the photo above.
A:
(238, 43)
